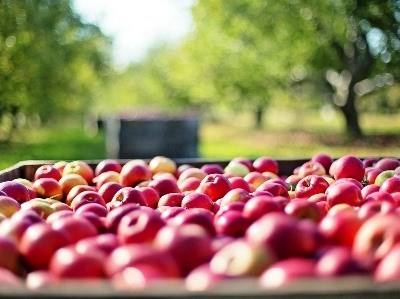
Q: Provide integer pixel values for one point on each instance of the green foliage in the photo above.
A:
(50, 60)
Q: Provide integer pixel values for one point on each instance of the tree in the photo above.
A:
(50, 60)
(351, 45)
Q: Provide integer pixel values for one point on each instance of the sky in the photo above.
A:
(137, 25)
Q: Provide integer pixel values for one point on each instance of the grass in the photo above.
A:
(287, 134)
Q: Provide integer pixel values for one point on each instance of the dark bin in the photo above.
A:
(146, 138)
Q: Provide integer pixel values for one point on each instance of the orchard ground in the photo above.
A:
(286, 134)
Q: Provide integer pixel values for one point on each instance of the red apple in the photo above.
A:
(345, 192)
(48, 187)
(367, 190)
(93, 207)
(380, 196)
(283, 272)
(171, 200)
(106, 177)
(258, 206)
(255, 178)
(340, 228)
(239, 182)
(369, 162)
(8, 206)
(133, 255)
(337, 261)
(347, 167)
(311, 185)
(189, 184)
(105, 243)
(74, 228)
(311, 167)
(201, 217)
(212, 169)
(114, 216)
(133, 173)
(189, 244)
(15, 227)
(231, 223)
(376, 237)
(182, 168)
(324, 159)
(139, 226)
(215, 186)
(303, 209)
(81, 168)
(387, 164)
(108, 190)
(371, 208)
(69, 181)
(263, 164)
(76, 190)
(274, 188)
(192, 173)
(38, 244)
(69, 263)
(279, 232)
(107, 165)
(165, 186)
(168, 213)
(150, 196)
(15, 190)
(59, 214)
(349, 180)
(197, 200)
(391, 185)
(235, 195)
(47, 171)
(87, 197)
(128, 195)
(236, 169)
(371, 174)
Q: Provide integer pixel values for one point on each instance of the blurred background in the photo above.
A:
(283, 78)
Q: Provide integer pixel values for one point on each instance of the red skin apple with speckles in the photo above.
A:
(133, 173)
(189, 244)
(199, 216)
(324, 159)
(47, 171)
(15, 190)
(263, 164)
(215, 186)
(345, 192)
(107, 165)
(347, 167)
(311, 185)
(171, 200)
(197, 200)
(69, 263)
(139, 226)
(108, 190)
(258, 206)
(85, 198)
(32, 244)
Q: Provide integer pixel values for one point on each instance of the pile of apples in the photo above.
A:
(141, 223)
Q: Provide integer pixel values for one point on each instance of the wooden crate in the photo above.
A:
(352, 287)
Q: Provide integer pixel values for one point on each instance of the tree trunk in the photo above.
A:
(350, 113)
(259, 117)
